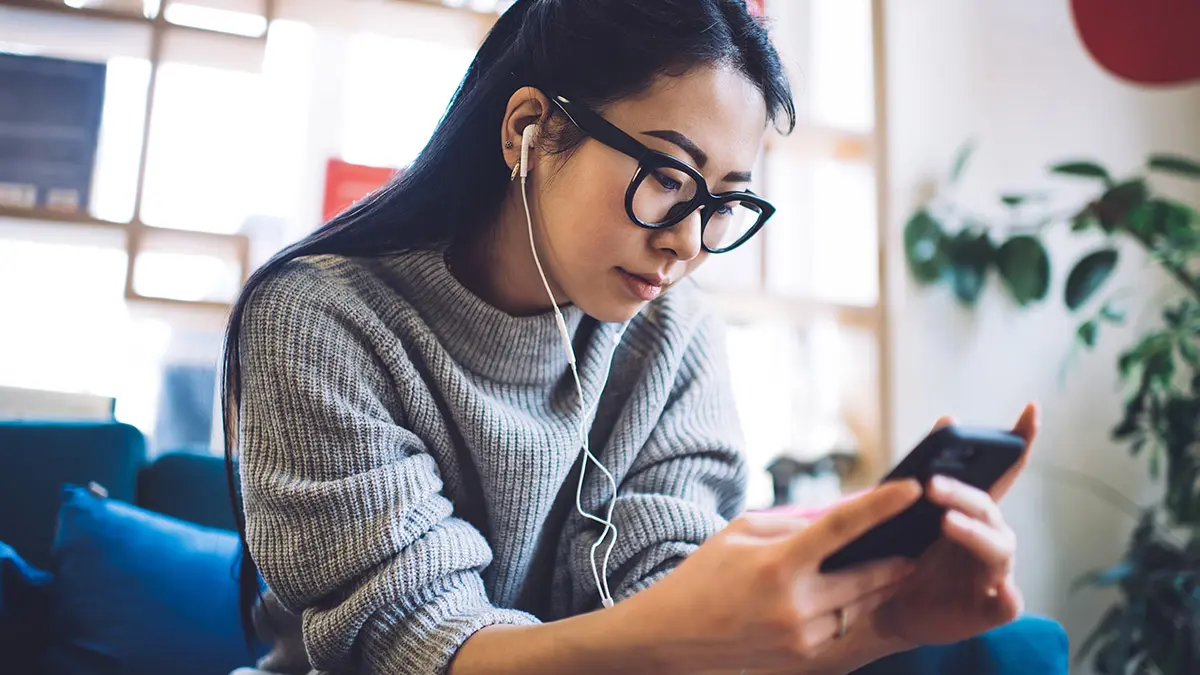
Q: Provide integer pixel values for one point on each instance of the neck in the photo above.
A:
(498, 266)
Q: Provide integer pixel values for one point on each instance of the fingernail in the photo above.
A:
(942, 483)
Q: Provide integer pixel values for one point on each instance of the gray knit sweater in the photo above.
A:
(410, 455)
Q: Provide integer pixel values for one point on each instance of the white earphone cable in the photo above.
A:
(599, 573)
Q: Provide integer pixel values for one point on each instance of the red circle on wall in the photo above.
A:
(1144, 41)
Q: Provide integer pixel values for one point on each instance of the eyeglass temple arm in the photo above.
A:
(601, 129)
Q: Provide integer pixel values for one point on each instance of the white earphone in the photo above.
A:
(599, 572)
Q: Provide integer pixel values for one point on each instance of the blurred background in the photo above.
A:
(152, 153)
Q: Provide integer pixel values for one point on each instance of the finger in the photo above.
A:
(989, 545)
(944, 421)
(849, 586)
(771, 524)
(852, 518)
(958, 496)
(1008, 602)
(828, 626)
(1027, 427)
(1028, 423)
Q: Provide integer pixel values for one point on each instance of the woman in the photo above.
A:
(438, 394)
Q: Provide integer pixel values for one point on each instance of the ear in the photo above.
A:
(526, 106)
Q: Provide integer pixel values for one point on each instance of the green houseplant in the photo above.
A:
(1155, 626)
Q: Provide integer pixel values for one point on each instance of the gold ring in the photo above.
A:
(841, 614)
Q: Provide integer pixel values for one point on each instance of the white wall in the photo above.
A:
(1015, 76)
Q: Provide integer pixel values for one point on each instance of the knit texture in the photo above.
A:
(410, 455)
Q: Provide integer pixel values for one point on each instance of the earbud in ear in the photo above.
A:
(526, 142)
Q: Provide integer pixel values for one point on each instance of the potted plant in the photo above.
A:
(1155, 627)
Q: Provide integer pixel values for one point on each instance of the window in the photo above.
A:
(396, 90)
(223, 156)
(242, 125)
(803, 305)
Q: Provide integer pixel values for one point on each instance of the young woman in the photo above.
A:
(484, 426)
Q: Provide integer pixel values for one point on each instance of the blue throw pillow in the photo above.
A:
(139, 593)
(24, 611)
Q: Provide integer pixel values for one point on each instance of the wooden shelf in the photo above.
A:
(174, 235)
(64, 217)
(124, 17)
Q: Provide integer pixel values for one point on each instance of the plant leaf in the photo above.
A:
(1025, 267)
(1116, 205)
(1190, 354)
(1103, 578)
(1161, 218)
(1176, 164)
(1083, 220)
(1178, 223)
(1106, 626)
(971, 253)
(1112, 314)
(960, 161)
(1086, 169)
(925, 247)
(1154, 453)
(1087, 277)
(1135, 448)
(1087, 333)
(1017, 198)
(1159, 360)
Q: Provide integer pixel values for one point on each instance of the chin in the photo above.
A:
(611, 310)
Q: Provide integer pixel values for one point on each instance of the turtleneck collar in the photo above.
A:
(484, 339)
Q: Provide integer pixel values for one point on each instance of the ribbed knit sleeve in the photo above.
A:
(345, 515)
(687, 482)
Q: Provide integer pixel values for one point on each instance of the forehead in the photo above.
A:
(716, 107)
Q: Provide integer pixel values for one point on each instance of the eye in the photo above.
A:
(725, 210)
(666, 181)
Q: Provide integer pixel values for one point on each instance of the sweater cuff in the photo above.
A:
(423, 639)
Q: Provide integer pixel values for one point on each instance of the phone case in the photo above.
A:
(977, 457)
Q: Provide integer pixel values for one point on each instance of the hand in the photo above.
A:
(964, 583)
(753, 595)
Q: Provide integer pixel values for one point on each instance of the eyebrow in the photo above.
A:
(701, 157)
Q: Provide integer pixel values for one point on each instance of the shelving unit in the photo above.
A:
(135, 231)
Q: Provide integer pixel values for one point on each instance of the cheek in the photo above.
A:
(586, 203)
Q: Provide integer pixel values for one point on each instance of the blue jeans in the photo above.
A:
(1030, 645)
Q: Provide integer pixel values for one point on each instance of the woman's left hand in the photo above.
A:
(964, 583)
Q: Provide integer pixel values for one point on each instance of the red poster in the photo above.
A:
(346, 183)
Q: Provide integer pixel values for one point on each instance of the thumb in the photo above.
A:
(851, 519)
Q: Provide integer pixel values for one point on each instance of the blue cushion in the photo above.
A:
(1031, 645)
(24, 611)
(189, 486)
(140, 593)
(36, 458)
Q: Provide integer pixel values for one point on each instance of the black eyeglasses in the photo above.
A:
(665, 190)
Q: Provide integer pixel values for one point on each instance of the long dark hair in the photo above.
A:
(594, 51)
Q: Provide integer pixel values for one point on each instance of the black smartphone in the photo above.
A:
(977, 457)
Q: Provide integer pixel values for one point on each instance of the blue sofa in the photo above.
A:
(140, 580)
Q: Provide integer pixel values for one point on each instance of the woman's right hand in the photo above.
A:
(753, 596)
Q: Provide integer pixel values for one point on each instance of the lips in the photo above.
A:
(644, 287)
(651, 279)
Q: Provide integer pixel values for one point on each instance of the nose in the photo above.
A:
(681, 240)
